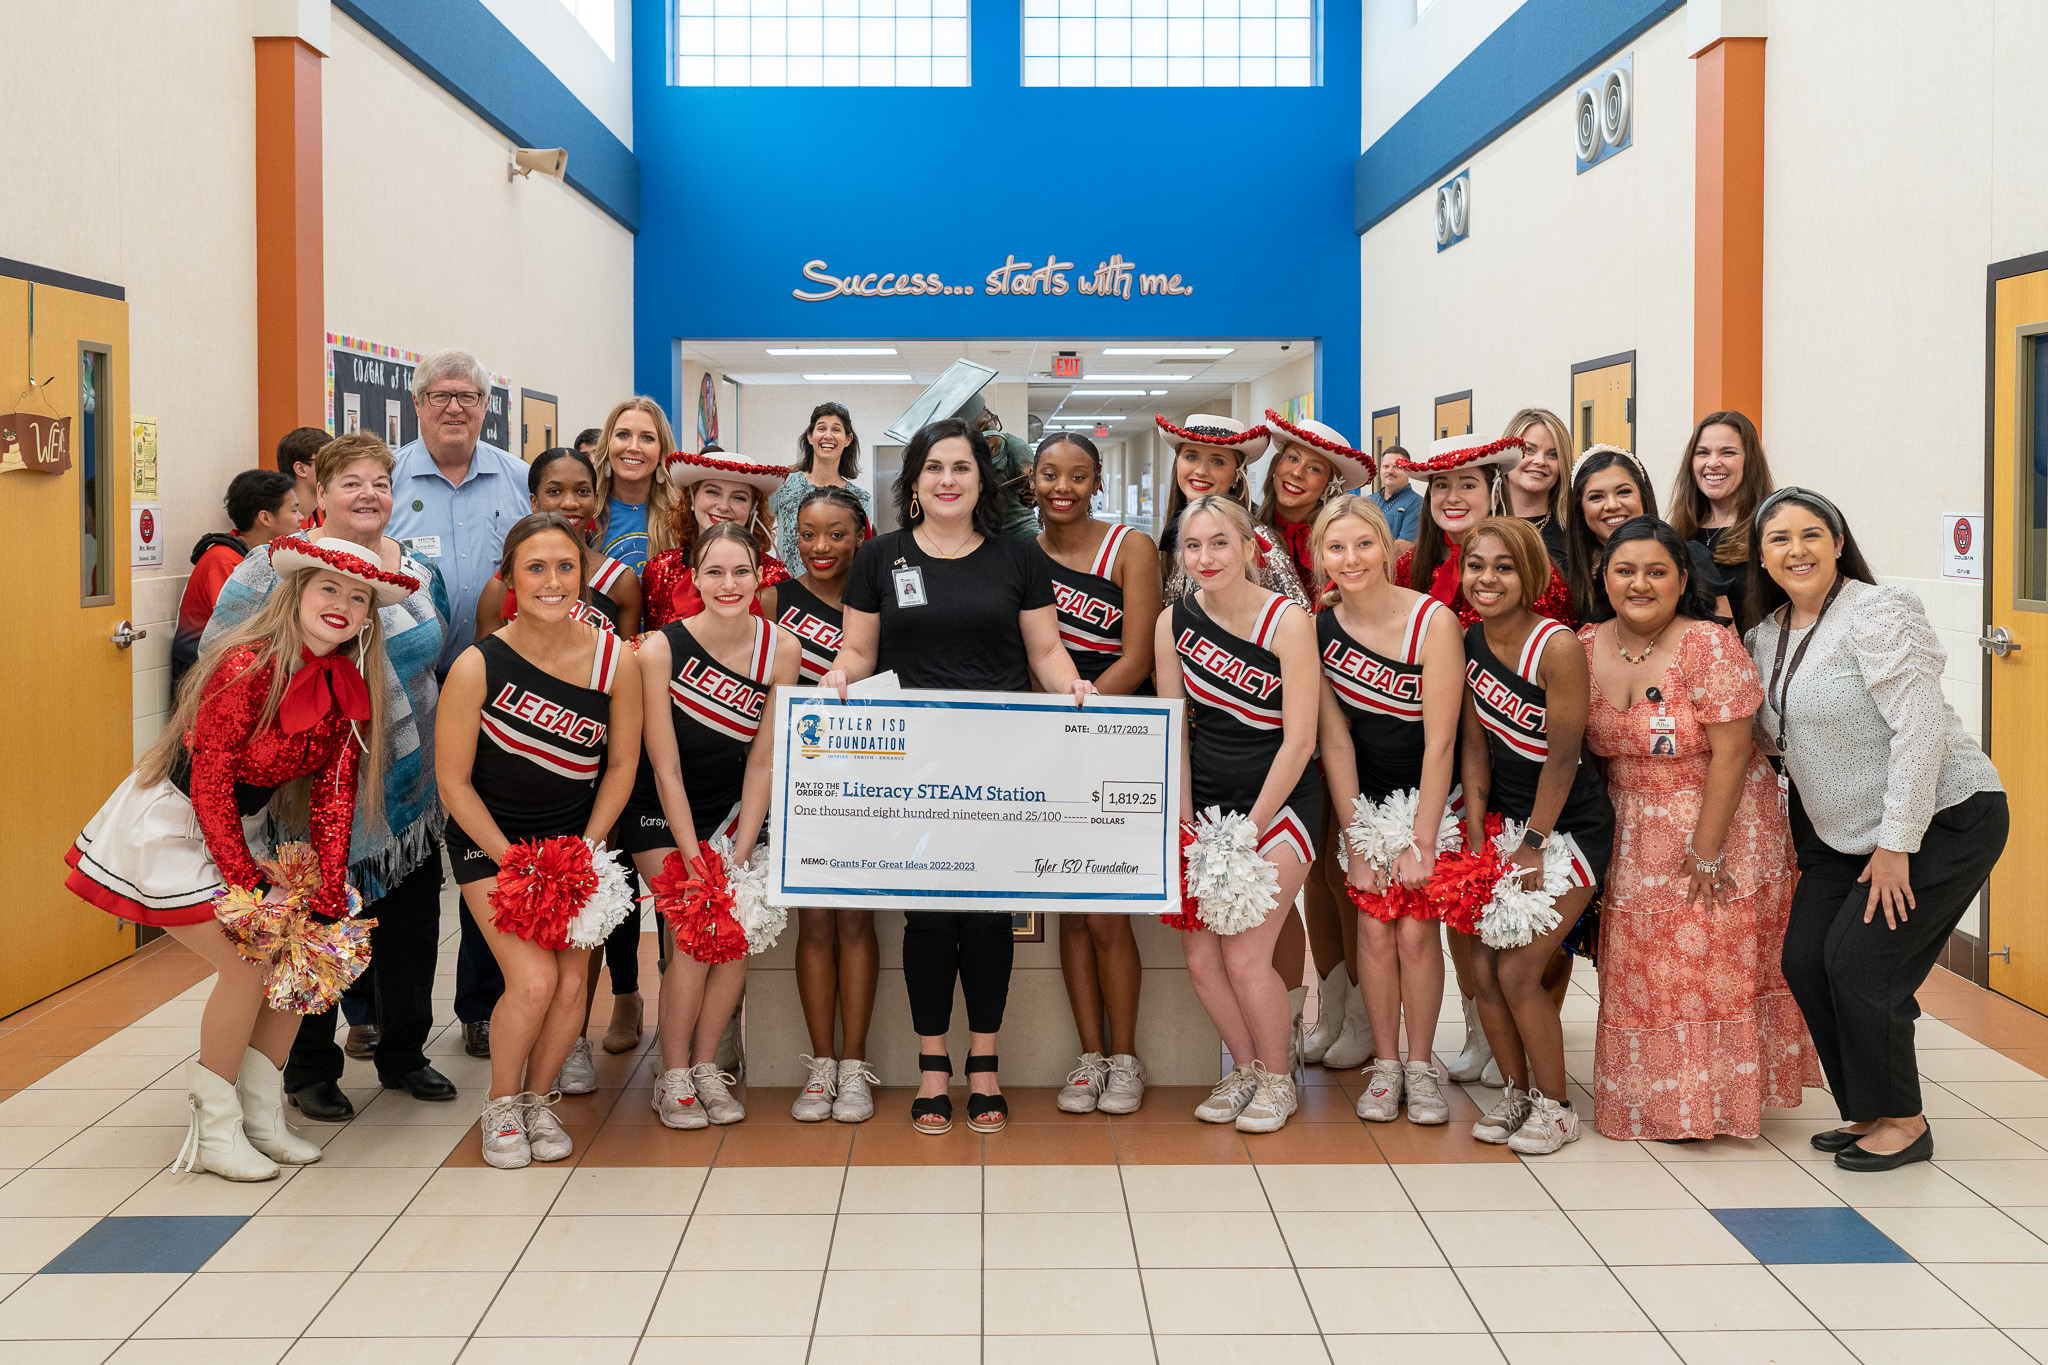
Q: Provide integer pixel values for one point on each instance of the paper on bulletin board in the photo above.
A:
(142, 458)
(1962, 547)
(146, 527)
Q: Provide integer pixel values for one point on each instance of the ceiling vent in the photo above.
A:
(1603, 114)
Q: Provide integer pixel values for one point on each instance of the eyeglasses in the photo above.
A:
(441, 398)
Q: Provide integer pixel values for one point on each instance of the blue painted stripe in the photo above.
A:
(461, 47)
(1537, 52)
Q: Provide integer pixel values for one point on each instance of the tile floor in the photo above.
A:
(1082, 1239)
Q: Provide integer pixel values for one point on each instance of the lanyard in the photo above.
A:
(1779, 694)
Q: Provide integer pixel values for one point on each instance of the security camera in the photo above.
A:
(1286, 345)
(549, 161)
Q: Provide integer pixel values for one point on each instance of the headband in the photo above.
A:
(1806, 498)
(1629, 455)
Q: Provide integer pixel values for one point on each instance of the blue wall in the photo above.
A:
(1246, 194)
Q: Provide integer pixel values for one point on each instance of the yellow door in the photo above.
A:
(71, 737)
(1604, 402)
(1454, 415)
(1386, 430)
(2016, 555)
(537, 419)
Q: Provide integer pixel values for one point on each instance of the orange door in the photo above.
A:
(1454, 415)
(71, 737)
(1386, 431)
(1604, 402)
(537, 422)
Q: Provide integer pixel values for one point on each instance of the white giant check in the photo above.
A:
(997, 801)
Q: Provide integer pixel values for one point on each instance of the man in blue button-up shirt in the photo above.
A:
(453, 498)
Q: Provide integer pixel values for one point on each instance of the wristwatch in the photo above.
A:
(1534, 838)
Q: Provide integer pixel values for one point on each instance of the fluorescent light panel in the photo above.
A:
(831, 350)
(857, 378)
(1168, 350)
(1106, 393)
(1139, 378)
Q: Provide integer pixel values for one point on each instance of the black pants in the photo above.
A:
(622, 954)
(401, 972)
(1855, 982)
(940, 945)
(478, 981)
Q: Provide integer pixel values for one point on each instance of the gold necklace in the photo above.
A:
(949, 554)
(1629, 658)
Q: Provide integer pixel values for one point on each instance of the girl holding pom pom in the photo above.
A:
(1395, 666)
(1524, 727)
(1244, 659)
(710, 735)
(535, 752)
(274, 715)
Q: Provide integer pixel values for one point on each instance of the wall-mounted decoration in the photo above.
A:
(146, 541)
(1603, 114)
(369, 377)
(142, 459)
(1115, 278)
(1454, 210)
(1302, 409)
(34, 443)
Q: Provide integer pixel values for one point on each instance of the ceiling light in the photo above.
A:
(1168, 350)
(1089, 421)
(1108, 393)
(831, 350)
(1159, 393)
(1141, 378)
(857, 378)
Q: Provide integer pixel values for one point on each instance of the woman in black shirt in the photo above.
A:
(949, 602)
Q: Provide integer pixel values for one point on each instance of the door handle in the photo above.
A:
(125, 635)
(1997, 642)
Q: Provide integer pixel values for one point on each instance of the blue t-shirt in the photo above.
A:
(1403, 512)
(626, 533)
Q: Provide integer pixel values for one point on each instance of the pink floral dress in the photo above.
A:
(1697, 1031)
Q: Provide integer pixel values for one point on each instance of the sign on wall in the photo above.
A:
(142, 458)
(1962, 547)
(34, 442)
(146, 539)
(1115, 278)
(369, 388)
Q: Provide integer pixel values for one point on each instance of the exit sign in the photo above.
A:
(1066, 367)
(1101, 431)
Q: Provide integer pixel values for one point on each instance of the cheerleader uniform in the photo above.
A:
(1234, 701)
(540, 750)
(596, 607)
(159, 854)
(1090, 610)
(716, 716)
(1510, 705)
(816, 625)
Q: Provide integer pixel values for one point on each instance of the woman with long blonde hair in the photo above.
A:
(635, 495)
(1539, 485)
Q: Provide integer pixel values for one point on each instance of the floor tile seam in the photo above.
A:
(824, 1273)
(1131, 1231)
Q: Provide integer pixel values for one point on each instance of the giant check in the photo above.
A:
(996, 801)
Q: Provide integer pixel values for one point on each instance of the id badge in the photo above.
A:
(428, 546)
(1663, 737)
(1784, 795)
(909, 586)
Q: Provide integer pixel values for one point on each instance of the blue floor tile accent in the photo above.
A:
(1830, 1236)
(135, 1245)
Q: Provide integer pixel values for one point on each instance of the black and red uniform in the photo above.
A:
(716, 713)
(815, 623)
(1381, 699)
(1090, 609)
(1234, 704)
(540, 749)
(1511, 707)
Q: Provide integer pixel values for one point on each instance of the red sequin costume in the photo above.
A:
(668, 590)
(1295, 535)
(1447, 587)
(130, 840)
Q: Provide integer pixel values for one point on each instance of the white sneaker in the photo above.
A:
(714, 1092)
(1229, 1098)
(1083, 1090)
(1124, 1091)
(1550, 1125)
(1330, 1020)
(504, 1130)
(814, 1101)
(1504, 1119)
(1478, 1054)
(1354, 1041)
(1426, 1103)
(856, 1103)
(577, 1076)
(675, 1099)
(1381, 1102)
(544, 1132)
(1271, 1103)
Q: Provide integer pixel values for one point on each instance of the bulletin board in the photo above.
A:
(369, 388)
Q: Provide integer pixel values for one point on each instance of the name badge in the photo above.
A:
(1663, 725)
(430, 546)
(909, 586)
(1784, 795)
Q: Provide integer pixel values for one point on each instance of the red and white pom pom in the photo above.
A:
(1190, 917)
(696, 897)
(1381, 831)
(606, 908)
(1518, 913)
(1234, 887)
(761, 922)
(543, 885)
(1465, 878)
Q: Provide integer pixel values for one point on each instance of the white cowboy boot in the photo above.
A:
(1336, 987)
(1471, 1064)
(1354, 1041)
(215, 1142)
(260, 1088)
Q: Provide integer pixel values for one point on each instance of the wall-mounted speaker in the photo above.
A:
(1615, 106)
(1586, 123)
(1454, 210)
(1603, 114)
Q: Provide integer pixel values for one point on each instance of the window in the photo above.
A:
(97, 534)
(599, 19)
(1169, 42)
(821, 42)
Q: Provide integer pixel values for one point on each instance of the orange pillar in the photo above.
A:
(1728, 230)
(291, 369)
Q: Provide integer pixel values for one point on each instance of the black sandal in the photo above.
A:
(986, 1113)
(939, 1107)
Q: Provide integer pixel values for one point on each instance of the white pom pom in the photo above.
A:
(607, 907)
(1234, 888)
(761, 922)
(1518, 913)
(1381, 831)
(1450, 835)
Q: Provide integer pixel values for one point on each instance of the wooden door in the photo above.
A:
(2016, 555)
(1604, 402)
(1454, 415)
(71, 736)
(537, 423)
(1386, 431)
